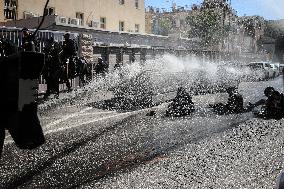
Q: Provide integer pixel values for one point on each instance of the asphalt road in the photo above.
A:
(91, 148)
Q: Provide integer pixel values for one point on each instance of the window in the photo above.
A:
(121, 2)
(10, 9)
(137, 28)
(50, 10)
(80, 17)
(136, 4)
(121, 26)
(103, 22)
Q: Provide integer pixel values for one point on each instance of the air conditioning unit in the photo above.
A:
(94, 24)
(63, 20)
(76, 21)
(29, 15)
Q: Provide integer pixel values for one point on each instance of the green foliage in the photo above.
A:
(207, 25)
(165, 26)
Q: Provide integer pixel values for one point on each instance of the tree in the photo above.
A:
(207, 25)
(165, 26)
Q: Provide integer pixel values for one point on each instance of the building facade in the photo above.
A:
(112, 15)
(169, 23)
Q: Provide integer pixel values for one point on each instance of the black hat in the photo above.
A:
(267, 90)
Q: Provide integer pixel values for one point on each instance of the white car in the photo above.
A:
(264, 67)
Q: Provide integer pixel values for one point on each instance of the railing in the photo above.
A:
(15, 37)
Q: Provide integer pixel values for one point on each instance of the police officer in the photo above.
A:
(52, 68)
(101, 67)
(68, 53)
(181, 105)
(7, 47)
(29, 42)
(69, 47)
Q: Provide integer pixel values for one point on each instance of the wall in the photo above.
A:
(93, 10)
(1, 11)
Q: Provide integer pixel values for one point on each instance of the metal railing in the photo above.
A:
(14, 36)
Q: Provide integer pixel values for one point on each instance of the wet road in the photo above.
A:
(86, 145)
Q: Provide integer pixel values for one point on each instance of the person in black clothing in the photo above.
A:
(101, 67)
(268, 91)
(67, 58)
(29, 41)
(52, 69)
(233, 105)
(272, 107)
(68, 47)
(7, 47)
(181, 105)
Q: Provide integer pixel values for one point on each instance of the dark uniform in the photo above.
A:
(273, 107)
(101, 67)
(52, 69)
(68, 53)
(182, 104)
(69, 47)
(267, 92)
(6, 47)
(29, 41)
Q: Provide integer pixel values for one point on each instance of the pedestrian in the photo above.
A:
(233, 105)
(181, 105)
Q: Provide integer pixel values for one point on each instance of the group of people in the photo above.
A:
(61, 60)
(271, 108)
(60, 64)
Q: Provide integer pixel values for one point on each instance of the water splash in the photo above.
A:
(161, 76)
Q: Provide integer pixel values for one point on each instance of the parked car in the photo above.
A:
(264, 67)
(276, 69)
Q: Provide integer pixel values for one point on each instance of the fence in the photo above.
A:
(14, 35)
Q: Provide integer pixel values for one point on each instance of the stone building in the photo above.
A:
(118, 15)
(168, 23)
